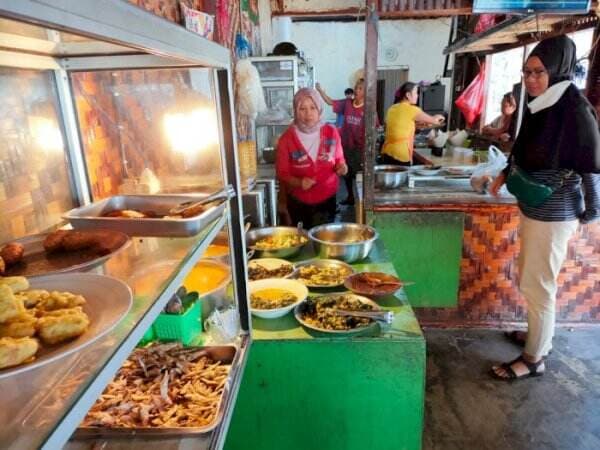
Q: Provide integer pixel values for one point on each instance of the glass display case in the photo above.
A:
(101, 101)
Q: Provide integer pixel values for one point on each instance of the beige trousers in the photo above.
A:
(543, 252)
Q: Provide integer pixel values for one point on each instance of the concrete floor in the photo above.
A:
(466, 409)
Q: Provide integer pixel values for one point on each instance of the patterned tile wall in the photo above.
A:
(488, 290)
(34, 179)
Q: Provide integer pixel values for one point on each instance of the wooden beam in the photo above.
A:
(356, 12)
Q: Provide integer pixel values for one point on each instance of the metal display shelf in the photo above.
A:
(43, 406)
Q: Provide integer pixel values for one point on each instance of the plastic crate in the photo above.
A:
(148, 337)
(179, 327)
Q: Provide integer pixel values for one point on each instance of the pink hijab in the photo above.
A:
(314, 95)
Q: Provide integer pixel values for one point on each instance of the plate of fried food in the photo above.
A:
(164, 389)
(322, 273)
(261, 268)
(373, 284)
(322, 313)
(60, 251)
(47, 318)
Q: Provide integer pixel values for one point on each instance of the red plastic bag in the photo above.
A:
(470, 102)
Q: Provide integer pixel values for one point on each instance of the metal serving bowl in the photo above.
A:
(390, 176)
(255, 235)
(346, 241)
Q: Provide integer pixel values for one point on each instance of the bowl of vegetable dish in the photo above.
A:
(275, 297)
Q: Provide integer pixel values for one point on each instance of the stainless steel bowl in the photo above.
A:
(255, 235)
(346, 241)
(390, 176)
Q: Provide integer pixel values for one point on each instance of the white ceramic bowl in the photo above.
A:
(296, 287)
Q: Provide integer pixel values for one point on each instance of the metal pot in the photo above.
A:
(268, 154)
(253, 236)
(390, 176)
(349, 242)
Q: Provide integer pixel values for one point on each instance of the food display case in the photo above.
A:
(105, 104)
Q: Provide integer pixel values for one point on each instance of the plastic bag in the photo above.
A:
(471, 101)
(251, 99)
(484, 173)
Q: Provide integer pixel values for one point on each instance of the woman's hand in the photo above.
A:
(505, 137)
(439, 119)
(497, 184)
(341, 169)
(307, 183)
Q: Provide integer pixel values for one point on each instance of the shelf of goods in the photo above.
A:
(99, 69)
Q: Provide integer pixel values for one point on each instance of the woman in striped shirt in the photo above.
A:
(558, 146)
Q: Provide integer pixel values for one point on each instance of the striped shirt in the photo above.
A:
(575, 197)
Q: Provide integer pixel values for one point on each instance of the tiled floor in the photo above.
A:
(466, 409)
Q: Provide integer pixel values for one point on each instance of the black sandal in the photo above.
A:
(511, 375)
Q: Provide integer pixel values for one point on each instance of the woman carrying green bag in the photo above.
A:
(554, 173)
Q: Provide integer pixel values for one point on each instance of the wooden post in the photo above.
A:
(371, 38)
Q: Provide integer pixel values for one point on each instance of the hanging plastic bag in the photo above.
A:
(251, 99)
(470, 102)
(484, 173)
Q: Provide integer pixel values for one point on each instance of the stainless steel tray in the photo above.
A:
(90, 216)
(227, 354)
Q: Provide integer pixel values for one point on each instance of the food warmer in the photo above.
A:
(102, 99)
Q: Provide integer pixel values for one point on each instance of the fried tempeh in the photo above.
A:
(62, 324)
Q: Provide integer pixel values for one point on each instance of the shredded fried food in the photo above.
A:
(272, 298)
(258, 272)
(314, 275)
(280, 241)
(162, 386)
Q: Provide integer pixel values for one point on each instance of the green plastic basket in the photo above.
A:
(148, 337)
(179, 327)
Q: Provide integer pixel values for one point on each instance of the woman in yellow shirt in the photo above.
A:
(400, 125)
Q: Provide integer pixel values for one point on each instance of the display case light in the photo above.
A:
(46, 134)
(191, 133)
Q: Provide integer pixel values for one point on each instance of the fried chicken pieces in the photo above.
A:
(54, 317)
(10, 254)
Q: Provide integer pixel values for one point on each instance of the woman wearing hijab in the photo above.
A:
(557, 154)
(309, 160)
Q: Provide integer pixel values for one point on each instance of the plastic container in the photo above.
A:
(179, 327)
(148, 337)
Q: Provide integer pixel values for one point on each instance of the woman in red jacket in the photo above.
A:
(309, 160)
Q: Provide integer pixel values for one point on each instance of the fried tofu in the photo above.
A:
(58, 300)
(16, 351)
(16, 284)
(10, 305)
(24, 325)
(63, 324)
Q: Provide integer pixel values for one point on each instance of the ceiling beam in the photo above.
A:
(387, 15)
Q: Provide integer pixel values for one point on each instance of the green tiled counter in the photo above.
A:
(311, 390)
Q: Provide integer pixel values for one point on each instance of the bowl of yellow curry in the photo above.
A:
(275, 297)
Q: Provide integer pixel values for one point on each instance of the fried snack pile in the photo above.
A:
(258, 272)
(163, 385)
(314, 275)
(53, 317)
